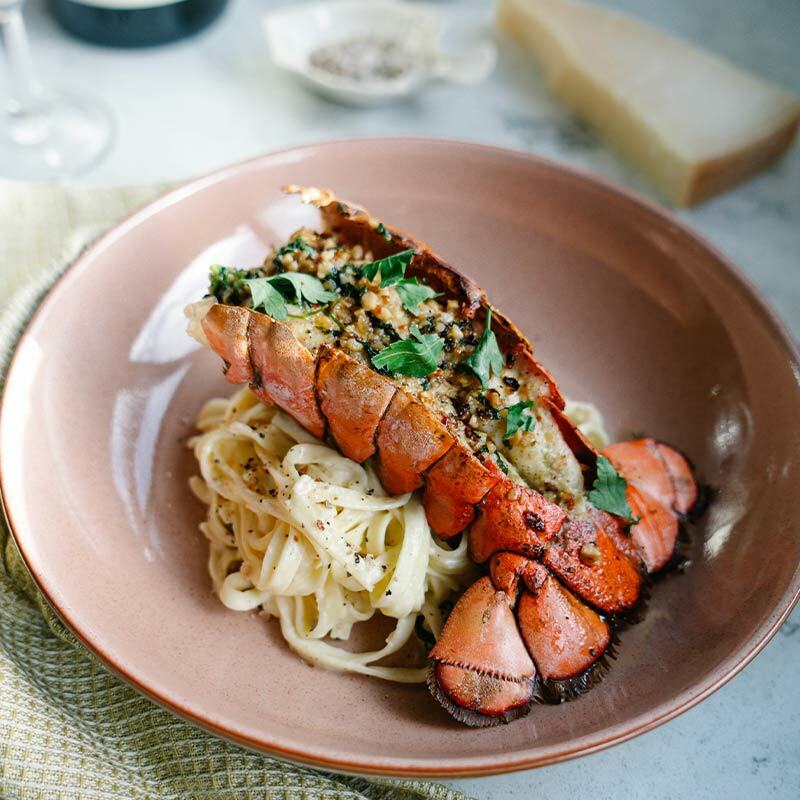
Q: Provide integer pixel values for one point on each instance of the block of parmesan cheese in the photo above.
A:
(691, 122)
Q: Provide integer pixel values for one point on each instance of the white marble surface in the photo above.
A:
(196, 105)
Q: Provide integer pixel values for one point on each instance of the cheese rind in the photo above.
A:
(692, 122)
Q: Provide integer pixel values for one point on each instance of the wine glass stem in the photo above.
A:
(27, 120)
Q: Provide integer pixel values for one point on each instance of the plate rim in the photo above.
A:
(474, 766)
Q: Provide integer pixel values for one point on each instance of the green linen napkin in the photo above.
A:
(68, 727)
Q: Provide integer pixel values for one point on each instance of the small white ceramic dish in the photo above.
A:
(295, 32)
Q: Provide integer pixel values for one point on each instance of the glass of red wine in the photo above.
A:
(44, 135)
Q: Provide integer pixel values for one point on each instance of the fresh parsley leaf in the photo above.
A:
(297, 245)
(273, 292)
(303, 287)
(370, 270)
(380, 229)
(609, 491)
(268, 297)
(486, 358)
(417, 356)
(392, 268)
(519, 417)
(501, 463)
(412, 293)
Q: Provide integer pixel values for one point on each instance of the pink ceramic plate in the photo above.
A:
(627, 307)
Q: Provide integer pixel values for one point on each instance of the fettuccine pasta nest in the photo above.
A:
(311, 538)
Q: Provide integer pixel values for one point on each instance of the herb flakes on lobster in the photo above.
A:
(365, 336)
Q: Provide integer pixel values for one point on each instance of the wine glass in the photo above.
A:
(44, 135)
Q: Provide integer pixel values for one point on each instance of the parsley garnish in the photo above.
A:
(392, 268)
(416, 356)
(486, 358)
(268, 297)
(412, 293)
(306, 288)
(272, 292)
(380, 229)
(519, 417)
(609, 491)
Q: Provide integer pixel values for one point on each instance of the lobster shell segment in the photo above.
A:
(454, 485)
(661, 490)
(617, 531)
(507, 569)
(682, 476)
(657, 470)
(514, 518)
(481, 634)
(585, 558)
(564, 636)
(581, 447)
(279, 365)
(482, 672)
(226, 328)
(656, 532)
(353, 399)
(409, 439)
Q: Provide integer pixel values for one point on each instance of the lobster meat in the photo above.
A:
(559, 568)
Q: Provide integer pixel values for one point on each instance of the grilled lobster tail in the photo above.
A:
(552, 572)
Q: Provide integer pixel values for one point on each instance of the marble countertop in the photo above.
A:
(191, 107)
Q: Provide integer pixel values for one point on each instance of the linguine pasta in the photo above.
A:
(311, 537)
